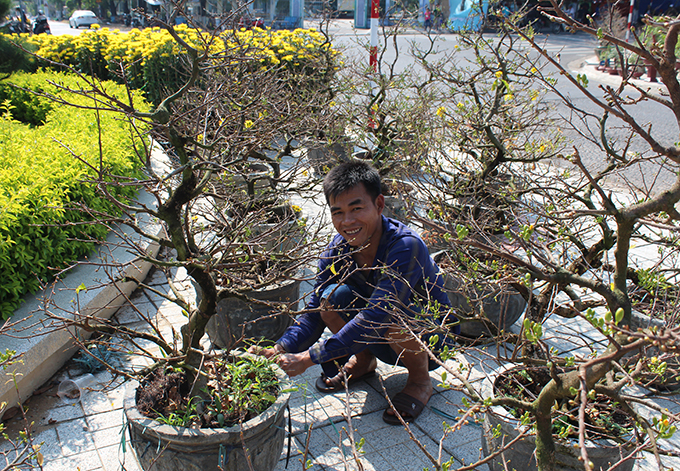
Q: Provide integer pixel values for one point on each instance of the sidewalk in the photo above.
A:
(89, 435)
(589, 67)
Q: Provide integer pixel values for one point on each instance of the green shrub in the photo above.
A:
(42, 185)
(13, 59)
(26, 107)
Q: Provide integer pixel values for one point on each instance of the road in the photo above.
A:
(61, 27)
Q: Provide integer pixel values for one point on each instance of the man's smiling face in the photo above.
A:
(356, 216)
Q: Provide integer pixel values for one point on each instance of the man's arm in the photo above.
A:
(403, 272)
(309, 327)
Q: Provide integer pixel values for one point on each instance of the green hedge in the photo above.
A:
(42, 183)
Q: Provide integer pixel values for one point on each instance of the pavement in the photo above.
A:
(90, 434)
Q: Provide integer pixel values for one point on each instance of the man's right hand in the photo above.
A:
(268, 352)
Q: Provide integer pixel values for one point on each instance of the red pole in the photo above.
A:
(630, 19)
(375, 18)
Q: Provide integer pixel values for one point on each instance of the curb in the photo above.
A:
(41, 346)
(589, 68)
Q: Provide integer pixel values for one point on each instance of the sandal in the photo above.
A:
(408, 407)
(337, 382)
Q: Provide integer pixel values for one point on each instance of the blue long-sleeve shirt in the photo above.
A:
(403, 275)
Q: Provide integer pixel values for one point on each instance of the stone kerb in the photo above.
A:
(43, 350)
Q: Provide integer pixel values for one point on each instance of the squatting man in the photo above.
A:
(374, 278)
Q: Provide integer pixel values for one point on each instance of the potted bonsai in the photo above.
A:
(209, 126)
(567, 241)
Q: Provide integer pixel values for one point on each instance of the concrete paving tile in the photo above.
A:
(86, 461)
(379, 436)
(14, 451)
(157, 278)
(105, 420)
(114, 459)
(408, 456)
(96, 402)
(127, 315)
(110, 436)
(369, 462)
(324, 449)
(469, 453)
(296, 448)
(647, 462)
(317, 412)
(116, 396)
(75, 437)
(442, 407)
(49, 444)
(63, 412)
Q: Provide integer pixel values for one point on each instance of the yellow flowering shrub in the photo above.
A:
(151, 60)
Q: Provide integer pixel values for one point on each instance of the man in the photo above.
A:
(375, 279)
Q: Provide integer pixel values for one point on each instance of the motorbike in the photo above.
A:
(40, 25)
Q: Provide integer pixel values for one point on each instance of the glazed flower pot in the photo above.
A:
(162, 447)
(500, 304)
(521, 455)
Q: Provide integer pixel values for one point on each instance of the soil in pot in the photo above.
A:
(604, 420)
(240, 389)
(243, 391)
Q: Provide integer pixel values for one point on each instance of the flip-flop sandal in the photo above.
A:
(338, 384)
(407, 406)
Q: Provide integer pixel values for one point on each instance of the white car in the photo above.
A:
(82, 18)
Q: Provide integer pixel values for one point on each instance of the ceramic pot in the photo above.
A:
(603, 453)
(235, 316)
(162, 447)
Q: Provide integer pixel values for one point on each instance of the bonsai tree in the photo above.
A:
(244, 98)
(557, 227)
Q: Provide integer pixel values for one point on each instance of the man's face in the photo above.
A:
(356, 216)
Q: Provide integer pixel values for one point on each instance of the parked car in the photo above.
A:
(83, 18)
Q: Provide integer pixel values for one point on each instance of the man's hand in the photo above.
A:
(268, 352)
(295, 363)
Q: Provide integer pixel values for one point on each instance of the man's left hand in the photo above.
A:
(295, 363)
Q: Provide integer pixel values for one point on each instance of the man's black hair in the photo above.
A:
(347, 175)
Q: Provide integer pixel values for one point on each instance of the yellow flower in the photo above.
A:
(296, 209)
(499, 74)
(509, 97)
(460, 105)
(248, 124)
(542, 148)
(441, 111)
